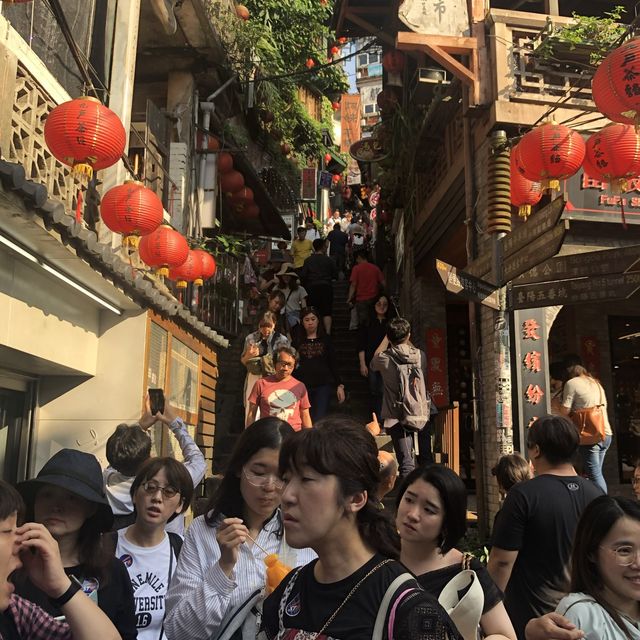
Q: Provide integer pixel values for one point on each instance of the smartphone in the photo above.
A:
(156, 400)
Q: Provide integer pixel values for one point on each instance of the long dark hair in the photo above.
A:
(312, 311)
(266, 433)
(595, 523)
(342, 447)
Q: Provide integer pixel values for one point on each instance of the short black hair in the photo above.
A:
(128, 447)
(336, 226)
(557, 438)
(361, 253)
(286, 349)
(397, 330)
(10, 502)
(318, 244)
(453, 494)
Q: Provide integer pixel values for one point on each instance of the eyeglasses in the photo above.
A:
(288, 365)
(263, 479)
(635, 480)
(625, 555)
(152, 488)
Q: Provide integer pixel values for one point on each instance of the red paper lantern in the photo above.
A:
(550, 153)
(335, 105)
(616, 84)
(242, 196)
(309, 63)
(393, 61)
(251, 211)
(231, 182)
(132, 210)
(213, 144)
(335, 50)
(613, 155)
(242, 12)
(342, 40)
(207, 265)
(163, 249)
(336, 178)
(85, 135)
(327, 158)
(524, 193)
(225, 162)
(189, 271)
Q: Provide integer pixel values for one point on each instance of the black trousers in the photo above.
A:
(402, 440)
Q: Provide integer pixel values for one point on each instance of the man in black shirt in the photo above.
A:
(532, 540)
(317, 273)
(338, 241)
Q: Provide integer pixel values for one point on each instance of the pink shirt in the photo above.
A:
(283, 399)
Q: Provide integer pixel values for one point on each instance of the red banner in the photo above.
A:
(349, 121)
(437, 366)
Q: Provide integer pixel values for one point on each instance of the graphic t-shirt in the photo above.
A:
(539, 519)
(310, 604)
(149, 570)
(283, 399)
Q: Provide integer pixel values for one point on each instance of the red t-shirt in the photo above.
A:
(283, 399)
(367, 278)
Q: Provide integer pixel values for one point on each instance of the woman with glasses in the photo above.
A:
(161, 491)
(605, 571)
(222, 562)
(317, 367)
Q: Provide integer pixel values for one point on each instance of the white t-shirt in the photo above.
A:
(293, 299)
(150, 569)
(583, 392)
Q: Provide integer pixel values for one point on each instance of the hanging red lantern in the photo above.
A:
(242, 196)
(189, 271)
(524, 193)
(327, 158)
(335, 105)
(336, 178)
(231, 182)
(225, 162)
(285, 148)
(335, 50)
(613, 155)
(207, 265)
(342, 40)
(85, 135)
(213, 144)
(132, 210)
(242, 12)
(393, 61)
(615, 86)
(163, 249)
(550, 153)
(310, 63)
(251, 211)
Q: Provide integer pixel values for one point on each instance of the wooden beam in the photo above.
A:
(367, 26)
(456, 45)
(552, 7)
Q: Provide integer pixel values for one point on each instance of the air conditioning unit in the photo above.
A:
(427, 81)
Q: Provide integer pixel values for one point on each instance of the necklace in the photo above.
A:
(355, 588)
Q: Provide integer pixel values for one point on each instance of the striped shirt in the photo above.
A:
(201, 594)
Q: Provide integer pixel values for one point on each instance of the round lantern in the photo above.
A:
(393, 61)
(242, 12)
(242, 196)
(251, 210)
(207, 265)
(616, 84)
(335, 178)
(85, 135)
(213, 144)
(335, 105)
(613, 155)
(342, 40)
(550, 153)
(132, 210)
(309, 63)
(189, 271)
(327, 158)
(225, 162)
(163, 249)
(231, 182)
(524, 193)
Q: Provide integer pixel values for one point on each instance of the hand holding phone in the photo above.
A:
(156, 400)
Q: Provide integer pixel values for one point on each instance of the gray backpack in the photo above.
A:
(413, 404)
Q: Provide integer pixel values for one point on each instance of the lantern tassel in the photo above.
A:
(79, 201)
(524, 211)
(82, 169)
(131, 242)
(624, 222)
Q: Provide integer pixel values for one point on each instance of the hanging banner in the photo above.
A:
(349, 121)
(437, 366)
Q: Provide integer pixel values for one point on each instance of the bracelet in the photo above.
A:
(60, 601)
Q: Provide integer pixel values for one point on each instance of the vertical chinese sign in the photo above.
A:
(350, 117)
(532, 368)
(437, 366)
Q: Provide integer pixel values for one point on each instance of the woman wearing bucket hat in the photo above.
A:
(68, 498)
(295, 295)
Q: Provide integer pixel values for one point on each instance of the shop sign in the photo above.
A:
(350, 129)
(367, 150)
(325, 180)
(308, 183)
(592, 200)
(436, 353)
(468, 286)
(441, 17)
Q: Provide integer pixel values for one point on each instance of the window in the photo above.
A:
(184, 377)
(374, 57)
(363, 59)
(369, 108)
(157, 364)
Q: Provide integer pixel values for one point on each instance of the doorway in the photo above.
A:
(16, 402)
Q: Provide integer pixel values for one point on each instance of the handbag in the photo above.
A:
(465, 611)
(590, 422)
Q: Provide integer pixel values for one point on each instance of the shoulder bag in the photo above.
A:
(590, 421)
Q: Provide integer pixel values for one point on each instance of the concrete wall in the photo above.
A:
(77, 412)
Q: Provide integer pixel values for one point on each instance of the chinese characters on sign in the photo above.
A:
(437, 366)
(349, 121)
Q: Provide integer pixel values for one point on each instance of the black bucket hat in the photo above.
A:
(77, 472)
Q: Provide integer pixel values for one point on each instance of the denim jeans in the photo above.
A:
(403, 446)
(320, 398)
(592, 457)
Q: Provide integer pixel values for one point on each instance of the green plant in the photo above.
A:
(597, 33)
(225, 243)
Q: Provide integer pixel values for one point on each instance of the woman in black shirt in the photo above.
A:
(431, 519)
(317, 365)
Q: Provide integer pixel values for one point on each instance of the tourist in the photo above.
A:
(331, 474)
(301, 247)
(388, 474)
(366, 283)
(431, 520)
(281, 395)
(219, 565)
(338, 241)
(635, 480)
(317, 367)
(68, 498)
(295, 296)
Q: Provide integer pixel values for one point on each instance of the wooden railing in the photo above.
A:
(446, 437)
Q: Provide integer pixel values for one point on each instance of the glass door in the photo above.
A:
(15, 432)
